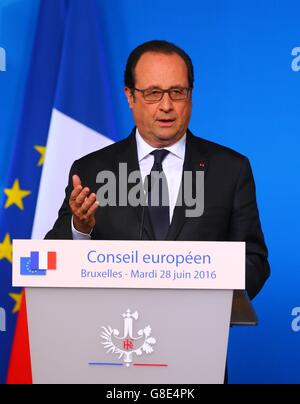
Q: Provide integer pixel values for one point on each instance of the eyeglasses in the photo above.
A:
(156, 94)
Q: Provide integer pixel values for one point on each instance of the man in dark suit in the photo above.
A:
(159, 81)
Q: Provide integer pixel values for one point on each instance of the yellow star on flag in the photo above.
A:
(42, 151)
(17, 297)
(6, 249)
(15, 195)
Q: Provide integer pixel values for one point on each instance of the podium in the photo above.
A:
(131, 322)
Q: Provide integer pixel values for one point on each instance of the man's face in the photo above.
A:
(163, 123)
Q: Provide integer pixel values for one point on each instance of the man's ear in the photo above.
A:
(130, 96)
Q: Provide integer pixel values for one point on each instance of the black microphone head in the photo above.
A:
(147, 183)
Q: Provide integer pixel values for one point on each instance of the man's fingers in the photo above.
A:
(80, 199)
(77, 188)
(76, 181)
(92, 210)
(75, 193)
(83, 205)
(88, 203)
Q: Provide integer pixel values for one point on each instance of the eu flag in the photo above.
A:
(20, 192)
(66, 108)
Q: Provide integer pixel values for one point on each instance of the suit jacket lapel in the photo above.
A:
(195, 160)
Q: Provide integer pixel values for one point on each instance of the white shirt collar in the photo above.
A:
(144, 149)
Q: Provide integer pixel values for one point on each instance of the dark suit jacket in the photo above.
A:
(230, 210)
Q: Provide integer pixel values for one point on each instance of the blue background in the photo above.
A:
(246, 97)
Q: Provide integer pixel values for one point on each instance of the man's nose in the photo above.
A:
(166, 103)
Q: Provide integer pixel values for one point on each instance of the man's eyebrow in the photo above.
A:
(153, 86)
(159, 87)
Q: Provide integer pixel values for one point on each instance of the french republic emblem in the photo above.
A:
(128, 345)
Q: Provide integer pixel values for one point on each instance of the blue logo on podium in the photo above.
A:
(30, 265)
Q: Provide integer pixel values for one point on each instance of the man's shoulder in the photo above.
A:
(106, 154)
(215, 150)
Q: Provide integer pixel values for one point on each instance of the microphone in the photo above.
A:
(148, 183)
(147, 190)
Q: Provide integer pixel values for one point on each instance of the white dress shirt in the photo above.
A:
(172, 166)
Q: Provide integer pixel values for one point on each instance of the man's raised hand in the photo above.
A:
(83, 205)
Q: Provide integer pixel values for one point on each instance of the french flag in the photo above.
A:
(43, 261)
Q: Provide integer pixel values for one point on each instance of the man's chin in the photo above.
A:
(168, 137)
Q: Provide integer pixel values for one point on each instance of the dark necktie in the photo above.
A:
(158, 196)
